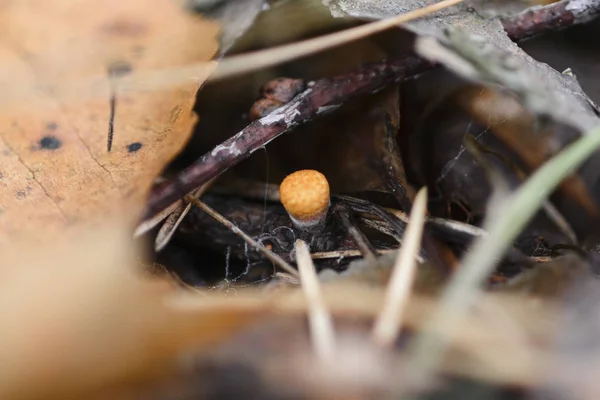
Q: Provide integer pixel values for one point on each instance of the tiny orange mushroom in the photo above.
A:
(305, 196)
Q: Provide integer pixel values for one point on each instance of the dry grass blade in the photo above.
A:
(471, 230)
(174, 220)
(323, 255)
(148, 224)
(321, 325)
(261, 59)
(229, 225)
(168, 228)
(389, 320)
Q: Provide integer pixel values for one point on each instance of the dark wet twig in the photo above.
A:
(326, 94)
(320, 97)
(555, 16)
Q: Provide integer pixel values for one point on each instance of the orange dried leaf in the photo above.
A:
(55, 167)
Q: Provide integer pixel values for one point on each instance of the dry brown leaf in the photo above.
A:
(79, 319)
(56, 170)
(516, 128)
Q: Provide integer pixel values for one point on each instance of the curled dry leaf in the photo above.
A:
(92, 152)
(517, 129)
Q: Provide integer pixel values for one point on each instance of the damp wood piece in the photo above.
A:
(320, 97)
(278, 261)
(447, 228)
(268, 225)
(368, 152)
(77, 159)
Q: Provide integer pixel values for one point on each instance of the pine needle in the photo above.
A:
(319, 318)
(388, 322)
(173, 221)
(149, 224)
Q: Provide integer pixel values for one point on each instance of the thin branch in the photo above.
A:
(555, 16)
(321, 96)
(266, 252)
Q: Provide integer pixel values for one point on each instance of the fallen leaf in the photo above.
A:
(68, 160)
(517, 129)
(479, 49)
(82, 319)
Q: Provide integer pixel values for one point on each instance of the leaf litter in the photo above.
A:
(96, 314)
(76, 160)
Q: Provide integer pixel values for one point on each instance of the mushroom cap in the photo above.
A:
(305, 195)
